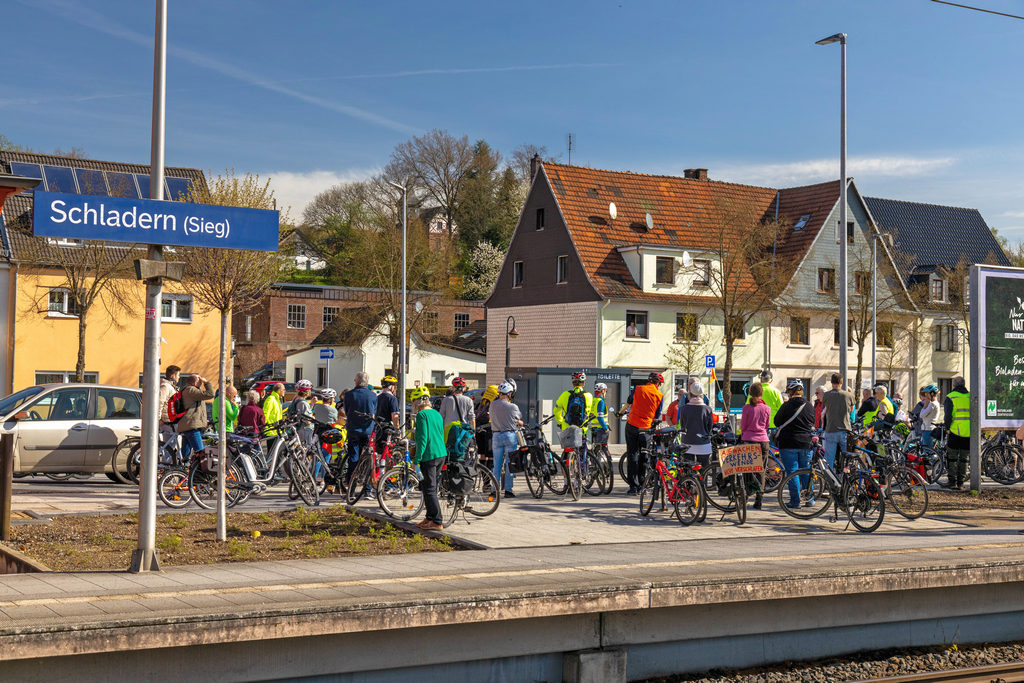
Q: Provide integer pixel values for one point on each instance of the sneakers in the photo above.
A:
(757, 502)
(509, 494)
(632, 492)
(809, 503)
(793, 504)
(428, 525)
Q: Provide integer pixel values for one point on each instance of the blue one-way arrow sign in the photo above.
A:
(326, 354)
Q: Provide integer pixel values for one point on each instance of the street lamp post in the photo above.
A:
(402, 365)
(510, 331)
(875, 237)
(843, 293)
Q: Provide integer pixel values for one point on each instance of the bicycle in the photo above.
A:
(857, 492)
(398, 491)
(371, 465)
(540, 467)
(675, 482)
(1002, 460)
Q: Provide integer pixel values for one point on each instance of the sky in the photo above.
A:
(318, 92)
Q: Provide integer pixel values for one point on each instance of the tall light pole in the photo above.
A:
(402, 369)
(875, 238)
(510, 331)
(844, 322)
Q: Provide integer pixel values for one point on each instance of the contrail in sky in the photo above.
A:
(480, 70)
(89, 18)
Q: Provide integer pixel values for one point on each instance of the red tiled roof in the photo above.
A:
(686, 214)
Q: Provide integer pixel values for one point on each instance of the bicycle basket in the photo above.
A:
(598, 436)
(571, 437)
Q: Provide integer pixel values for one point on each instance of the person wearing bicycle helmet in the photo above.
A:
(387, 407)
(643, 408)
(483, 419)
(429, 455)
(769, 394)
(574, 406)
(360, 405)
(325, 411)
(929, 413)
(600, 432)
(506, 419)
(457, 407)
(302, 407)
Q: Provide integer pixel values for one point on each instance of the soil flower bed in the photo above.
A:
(106, 542)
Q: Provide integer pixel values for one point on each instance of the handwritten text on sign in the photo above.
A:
(744, 459)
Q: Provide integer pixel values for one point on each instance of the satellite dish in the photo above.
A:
(687, 261)
(612, 211)
(419, 306)
(650, 221)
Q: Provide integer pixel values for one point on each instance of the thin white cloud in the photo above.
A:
(35, 101)
(294, 191)
(1013, 214)
(89, 18)
(814, 170)
(478, 70)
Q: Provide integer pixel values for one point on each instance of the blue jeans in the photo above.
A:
(192, 440)
(926, 438)
(503, 443)
(834, 441)
(794, 459)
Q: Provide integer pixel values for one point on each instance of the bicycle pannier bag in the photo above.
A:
(571, 437)
(517, 461)
(459, 478)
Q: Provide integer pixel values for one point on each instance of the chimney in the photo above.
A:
(696, 173)
(535, 163)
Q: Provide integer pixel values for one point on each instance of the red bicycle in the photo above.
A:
(676, 481)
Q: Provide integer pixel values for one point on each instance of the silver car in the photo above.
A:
(69, 427)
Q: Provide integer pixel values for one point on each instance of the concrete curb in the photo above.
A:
(462, 543)
(13, 562)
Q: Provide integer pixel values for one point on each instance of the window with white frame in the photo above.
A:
(429, 323)
(562, 270)
(330, 313)
(60, 302)
(800, 331)
(937, 289)
(297, 373)
(826, 280)
(703, 270)
(321, 376)
(664, 270)
(687, 327)
(296, 319)
(461, 320)
(636, 324)
(176, 308)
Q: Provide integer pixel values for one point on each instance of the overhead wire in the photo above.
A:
(978, 9)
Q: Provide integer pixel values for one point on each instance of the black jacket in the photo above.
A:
(798, 433)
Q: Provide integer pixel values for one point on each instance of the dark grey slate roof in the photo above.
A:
(934, 235)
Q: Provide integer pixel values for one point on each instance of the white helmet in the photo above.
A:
(303, 385)
(329, 394)
(600, 386)
(505, 388)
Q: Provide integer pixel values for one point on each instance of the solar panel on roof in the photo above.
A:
(29, 171)
(143, 181)
(178, 188)
(122, 185)
(60, 179)
(91, 181)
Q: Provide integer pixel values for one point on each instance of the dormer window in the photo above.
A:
(665, 270)
(937, 289)
(802, 223)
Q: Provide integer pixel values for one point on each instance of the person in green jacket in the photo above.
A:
(230, 408)
(770, 395)
(272, 411)
(430, 453)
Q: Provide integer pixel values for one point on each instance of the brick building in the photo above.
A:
(292, 315)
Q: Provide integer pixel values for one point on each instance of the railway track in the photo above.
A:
(999, 673)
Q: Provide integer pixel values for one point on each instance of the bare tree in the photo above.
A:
(742, 272)
(229, 280)
(436, 162)
(688, 353)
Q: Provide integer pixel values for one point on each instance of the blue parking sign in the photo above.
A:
(709, 362)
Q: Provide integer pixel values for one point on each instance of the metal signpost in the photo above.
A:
(997, 354)
(327, 355)
(157, 223)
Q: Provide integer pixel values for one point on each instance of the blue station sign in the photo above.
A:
(150, 221)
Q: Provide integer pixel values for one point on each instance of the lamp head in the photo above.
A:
(837, 38)
(513, 332)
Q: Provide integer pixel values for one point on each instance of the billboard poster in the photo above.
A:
(1000, 320)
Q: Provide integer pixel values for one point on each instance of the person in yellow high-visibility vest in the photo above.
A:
(957, 409)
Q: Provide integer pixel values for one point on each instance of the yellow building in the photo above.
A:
(39, 323)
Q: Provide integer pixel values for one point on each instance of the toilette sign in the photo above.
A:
(152, 221)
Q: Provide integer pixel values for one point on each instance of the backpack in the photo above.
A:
(459, 436)
(175, 408)
(576, 408)
(459, 478)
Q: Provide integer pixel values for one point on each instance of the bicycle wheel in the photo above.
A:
(359, 483)
(718, 488)
(533, 472)
(133, 463)
(399, 494)
(557, 479)
(593, 480)
(575, 477)
(773, 473)
(933, 465)
(814, 498)
(623, 469)
(483, 500)
(687, 508)
(450, 505)
(119, 460)
(739, 495)
(606, 468)
(302, 480)
(703, 514)
(202, 485)
(1001, 464)
(865, 502)
(649, 492)
(173, 488)
(907, 491)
